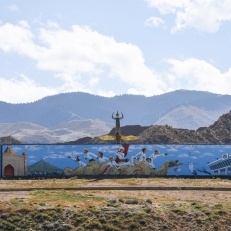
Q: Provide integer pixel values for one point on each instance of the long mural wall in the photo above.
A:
(126, 159)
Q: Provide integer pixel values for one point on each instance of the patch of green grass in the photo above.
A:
(110, 227)
(179, 210)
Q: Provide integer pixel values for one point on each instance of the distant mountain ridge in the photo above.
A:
(169, 108)
(36, 134)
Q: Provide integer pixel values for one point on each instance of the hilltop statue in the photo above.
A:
(117, 127)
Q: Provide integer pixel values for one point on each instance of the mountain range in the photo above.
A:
(180, 109)
(35, 134)
(217, 133)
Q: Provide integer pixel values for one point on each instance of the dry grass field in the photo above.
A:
(115, 209)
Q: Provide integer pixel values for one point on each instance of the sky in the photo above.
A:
(113, 47)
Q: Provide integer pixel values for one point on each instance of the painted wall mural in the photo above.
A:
(103, 159)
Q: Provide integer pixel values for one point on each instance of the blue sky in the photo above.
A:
(111, 47)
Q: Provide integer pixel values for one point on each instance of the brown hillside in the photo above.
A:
(220, 130)
(166, 135)
(9, 140)
(217, 133)
(128, 130)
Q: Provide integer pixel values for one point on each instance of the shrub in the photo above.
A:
(133, 201)
(121, 200)
(103, 220)
(149, 201)
(112, 201)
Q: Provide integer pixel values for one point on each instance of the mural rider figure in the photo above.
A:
(89, 155)
(102, 158)
(80, 163)
(154, 156)
(141, 156)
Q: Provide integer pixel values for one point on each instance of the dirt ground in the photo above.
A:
(158, 197)
(75, 182)
(60, 209)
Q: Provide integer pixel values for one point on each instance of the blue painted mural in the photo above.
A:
(103, 159)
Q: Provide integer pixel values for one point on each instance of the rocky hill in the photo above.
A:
(127, 130)
(220, 130)
(9, 140)
(217, 133)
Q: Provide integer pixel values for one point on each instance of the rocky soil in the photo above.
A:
(114, 210)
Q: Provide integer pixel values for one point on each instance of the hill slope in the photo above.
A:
(217, 133)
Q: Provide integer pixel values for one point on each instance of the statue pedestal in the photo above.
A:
(118, 138)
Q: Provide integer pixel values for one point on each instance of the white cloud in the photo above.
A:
(203, 15)
(17, 149)
(208, 154)
(53, 24)
(194, 157)
(93, 81)
(22, 90)
(168, 6)
(13, 7)
(172, 150)
(182, 156)
(33, 147)
(106, 93)
(80, 56)
(197, 74)
(154, 22)
(24, 24)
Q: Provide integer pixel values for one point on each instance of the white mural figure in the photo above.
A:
(191, 151)
(112, 163)
(154, 156)
(89, 155)
(140, 156)
(101, 159)
(80, 163)
(149, 162)
(127, 162)
(120, 153)
(190, 166)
